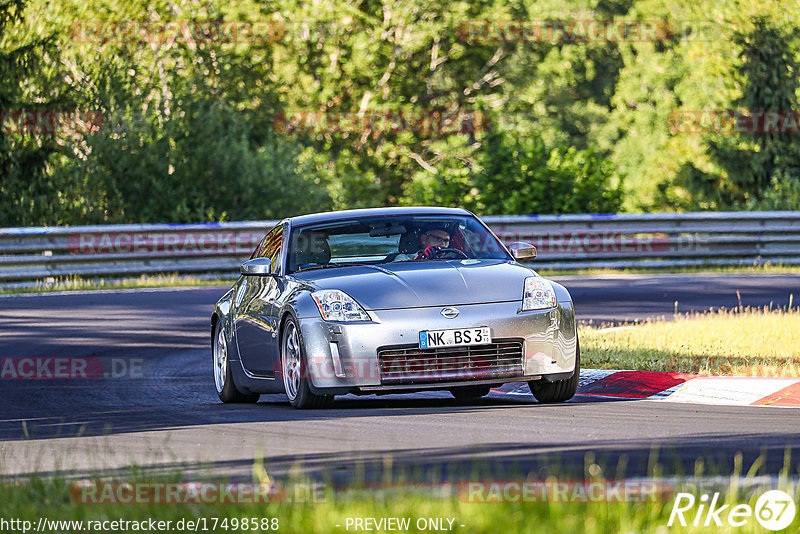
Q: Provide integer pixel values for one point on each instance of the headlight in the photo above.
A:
(335, 305)
(538, 294)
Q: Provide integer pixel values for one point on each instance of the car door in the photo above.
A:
(255, 319)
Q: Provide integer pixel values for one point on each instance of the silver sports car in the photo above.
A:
(391, 300)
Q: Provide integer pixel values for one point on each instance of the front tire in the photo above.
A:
(560, 390)
(295, 373)
(223, 377)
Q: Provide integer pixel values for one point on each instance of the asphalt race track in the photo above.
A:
(158, 409)
(637, 297)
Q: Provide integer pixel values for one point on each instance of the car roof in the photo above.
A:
(313, 218)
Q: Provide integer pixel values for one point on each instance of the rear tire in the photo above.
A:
(295, 373)
(470, 392)
(560, 390)
(223, 377)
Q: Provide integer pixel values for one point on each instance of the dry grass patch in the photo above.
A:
(743, 341)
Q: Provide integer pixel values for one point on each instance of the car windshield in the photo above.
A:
(391, 239)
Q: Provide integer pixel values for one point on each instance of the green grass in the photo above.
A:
(57, 499)
(743, 341)
(50, 498)
(33, 500)
(144, 281)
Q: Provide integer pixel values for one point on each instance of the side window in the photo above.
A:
(272, 247)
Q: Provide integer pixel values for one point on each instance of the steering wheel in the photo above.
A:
(440, 253)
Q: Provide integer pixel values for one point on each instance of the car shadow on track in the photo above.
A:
(46, 413)
(429, 400)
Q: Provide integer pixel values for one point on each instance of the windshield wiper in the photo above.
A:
(331, 265)
(312, 268)
(350, 264)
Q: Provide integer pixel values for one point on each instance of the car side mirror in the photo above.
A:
(257, 267)
(522, 251)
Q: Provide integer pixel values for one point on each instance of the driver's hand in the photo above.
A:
(428, 254)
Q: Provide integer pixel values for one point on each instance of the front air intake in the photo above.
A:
(408, 364)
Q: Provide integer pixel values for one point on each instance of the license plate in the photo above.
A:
(429, 339)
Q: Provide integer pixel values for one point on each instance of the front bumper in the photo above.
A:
(343, 357)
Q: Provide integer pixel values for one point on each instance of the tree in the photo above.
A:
(761, 167)
(523, 175)
(28, 88)
(201, 164)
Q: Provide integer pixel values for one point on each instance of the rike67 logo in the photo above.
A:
(774, 510)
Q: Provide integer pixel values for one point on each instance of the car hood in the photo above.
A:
(433, 283)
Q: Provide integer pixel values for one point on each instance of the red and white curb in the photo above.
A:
(680, 387)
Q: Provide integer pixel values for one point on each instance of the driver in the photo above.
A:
(432, 241)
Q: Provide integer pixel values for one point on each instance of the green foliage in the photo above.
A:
(200, 165)
(761, 168)
(27, 190)
(190, 124)
(782, 193)
(523, 175)
(701, 66)
(513, 174)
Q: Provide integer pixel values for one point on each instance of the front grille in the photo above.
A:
(408, 364)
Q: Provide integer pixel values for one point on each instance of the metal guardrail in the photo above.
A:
(563, 242)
